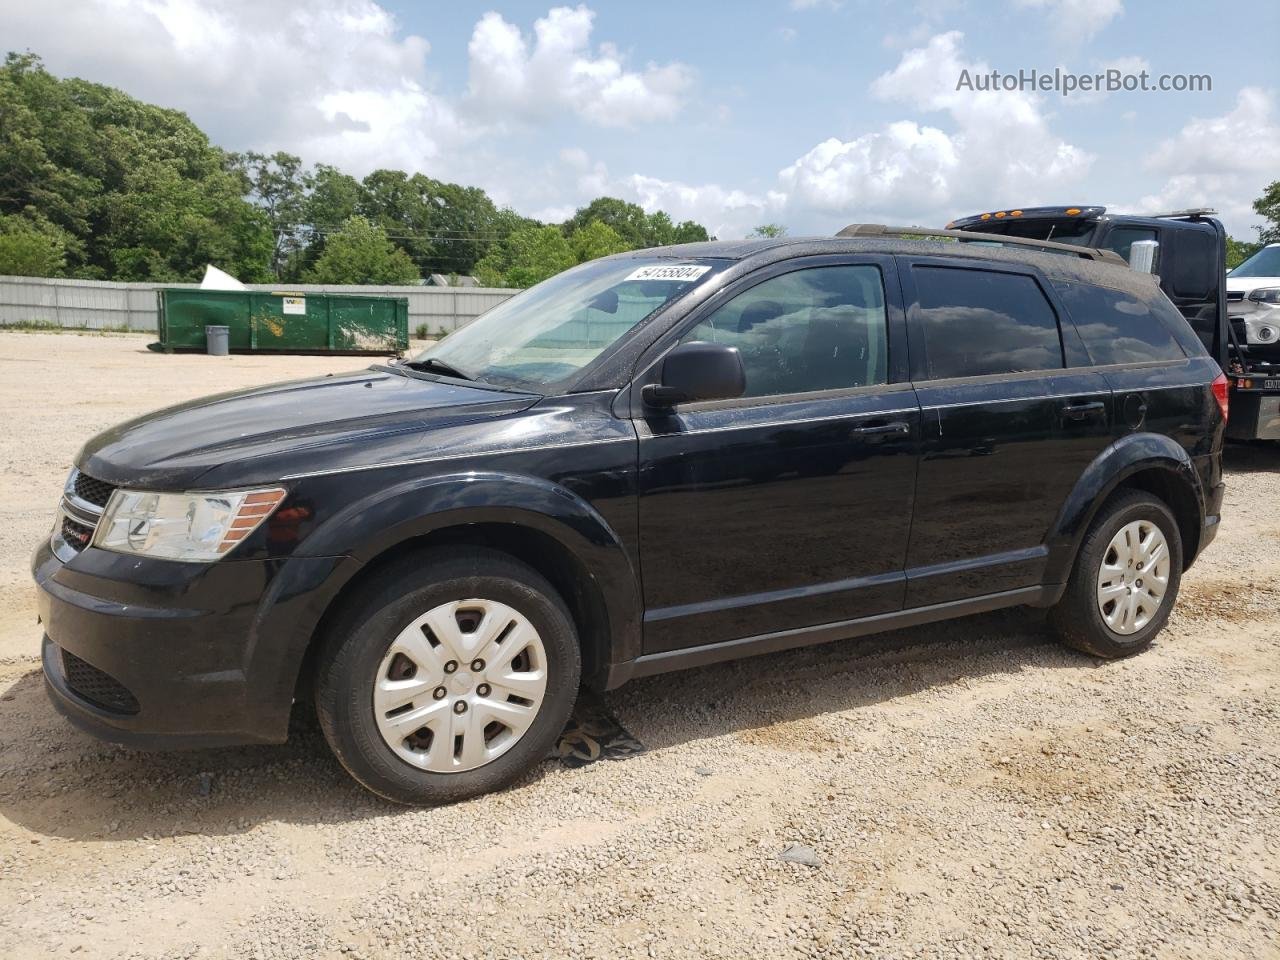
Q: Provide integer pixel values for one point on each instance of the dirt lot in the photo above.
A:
(968, 789)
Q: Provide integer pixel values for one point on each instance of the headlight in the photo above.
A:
(1265, 295)
(197, 527)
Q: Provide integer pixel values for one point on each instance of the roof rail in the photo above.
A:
(1189, 212)
(868, 230)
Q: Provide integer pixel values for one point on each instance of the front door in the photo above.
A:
(790, 506)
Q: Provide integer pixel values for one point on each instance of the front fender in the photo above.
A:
(418, 506)
(1124, 458)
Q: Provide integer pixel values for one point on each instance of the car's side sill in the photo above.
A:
(668, 660)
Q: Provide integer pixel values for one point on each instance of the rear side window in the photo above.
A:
(980, 322)
(1118, 328)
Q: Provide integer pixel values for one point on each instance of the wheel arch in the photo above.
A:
(1152, 463)
(533, 520)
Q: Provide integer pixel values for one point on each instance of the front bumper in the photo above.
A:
(159, 654)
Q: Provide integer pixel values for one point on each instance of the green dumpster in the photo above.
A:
(283, 322)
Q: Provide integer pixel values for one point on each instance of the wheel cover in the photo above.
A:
(1133, 579)
(460, 685)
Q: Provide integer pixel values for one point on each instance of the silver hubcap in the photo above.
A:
(1134, 577)
(460, 685)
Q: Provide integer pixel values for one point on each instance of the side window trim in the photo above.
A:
(898, 372)
(1072, 347)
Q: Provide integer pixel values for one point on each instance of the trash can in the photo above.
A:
(217, 341)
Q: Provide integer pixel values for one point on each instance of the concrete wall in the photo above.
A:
(96, 304)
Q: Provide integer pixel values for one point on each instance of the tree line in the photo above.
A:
(98, 185)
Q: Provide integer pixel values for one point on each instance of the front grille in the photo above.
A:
(77, 535)
(83, 500)
(97, 492)
(1234, 295)
(100, 689)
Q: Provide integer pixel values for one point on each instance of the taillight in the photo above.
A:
(1221, 393)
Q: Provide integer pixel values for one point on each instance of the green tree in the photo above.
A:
(331, 198)
(48, 165)
(277, 185)
(628, 220)
(27, 250)
(465, 225)
(596, 239)
(768, 230)
(529, 255)
(361, 253)
(1267, 206)
(138, 191)
(1238, 251)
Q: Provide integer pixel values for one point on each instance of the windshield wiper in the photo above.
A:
(432, 365)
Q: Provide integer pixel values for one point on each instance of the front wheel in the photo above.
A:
(451, 678)
(1125, 581)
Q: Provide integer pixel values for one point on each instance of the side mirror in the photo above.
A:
(697, 370)
(1142, 255)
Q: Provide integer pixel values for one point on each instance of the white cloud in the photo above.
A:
(1222, 162)
(511, 77)
(1130, 65)
(725, 212)
(1080, 19)
(336, 80)
(332, 80)
(1000, 146)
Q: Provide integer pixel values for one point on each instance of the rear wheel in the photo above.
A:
(1125, 580)
(450, 679)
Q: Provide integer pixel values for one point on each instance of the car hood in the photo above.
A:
(1246, 284)
(306, 420)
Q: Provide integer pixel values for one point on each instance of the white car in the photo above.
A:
(1253, 299)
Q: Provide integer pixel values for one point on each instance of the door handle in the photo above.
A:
(883, 429)
(1081, 411)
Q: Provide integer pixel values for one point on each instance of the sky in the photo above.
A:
(808, 113)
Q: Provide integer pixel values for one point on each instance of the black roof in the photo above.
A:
(1053, 265)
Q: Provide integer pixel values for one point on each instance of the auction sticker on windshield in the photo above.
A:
(674, 271)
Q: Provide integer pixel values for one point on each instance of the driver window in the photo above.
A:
(823, 328)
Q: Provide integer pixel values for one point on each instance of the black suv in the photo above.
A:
(653, 461)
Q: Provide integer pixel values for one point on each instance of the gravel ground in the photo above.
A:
(960, 790)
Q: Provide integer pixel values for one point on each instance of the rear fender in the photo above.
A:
(1124, 458)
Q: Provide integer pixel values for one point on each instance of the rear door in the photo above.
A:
(1154, 381)
(1011, 414)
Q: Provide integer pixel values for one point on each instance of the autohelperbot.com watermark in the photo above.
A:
(1066, 83)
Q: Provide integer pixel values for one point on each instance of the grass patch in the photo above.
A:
(48, 326)
(424, 332)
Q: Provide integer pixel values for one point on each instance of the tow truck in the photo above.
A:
(1187, 251)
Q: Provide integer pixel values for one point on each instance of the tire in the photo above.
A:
(1080, 618)
(394, 641)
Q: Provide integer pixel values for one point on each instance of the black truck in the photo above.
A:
(1187, 251)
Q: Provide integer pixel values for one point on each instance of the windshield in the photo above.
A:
(548, 333)
(1264, 263)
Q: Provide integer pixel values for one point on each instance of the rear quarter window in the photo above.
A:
(983, 322)
(1119, 328)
